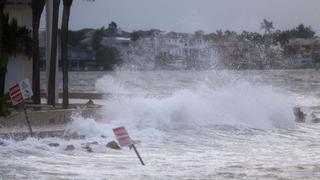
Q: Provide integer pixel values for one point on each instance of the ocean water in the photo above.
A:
(191, 125)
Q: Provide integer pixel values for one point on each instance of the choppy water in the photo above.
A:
(192, 125)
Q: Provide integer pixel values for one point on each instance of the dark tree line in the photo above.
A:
(107, 56)
(301, 31)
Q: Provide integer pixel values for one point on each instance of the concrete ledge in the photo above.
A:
(45, 118)
(81, 95)
(46, 123)
(18, 136)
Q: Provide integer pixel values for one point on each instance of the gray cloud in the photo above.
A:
(191, 15)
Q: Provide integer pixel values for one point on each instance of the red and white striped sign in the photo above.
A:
(20, 91)
(26, 89)
(15, 94)
(122, 136)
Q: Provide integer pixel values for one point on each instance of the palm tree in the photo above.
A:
(3, 67)
(112, 30)
(53, 55)
(13, 40)
(64, 50)
(37, 8)
(267, 26)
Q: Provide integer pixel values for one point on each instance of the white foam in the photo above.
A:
(239, 103)
(108, 84)
(218, 99)
(88, 127)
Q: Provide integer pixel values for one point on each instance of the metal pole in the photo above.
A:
(28, 122)
(135, 149)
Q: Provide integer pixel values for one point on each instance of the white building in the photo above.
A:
(185, 51)
(116, 42)
(171, 51)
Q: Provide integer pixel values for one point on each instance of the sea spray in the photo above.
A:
(200, 103)
(88, 127)
(111, 86)
(192, 125)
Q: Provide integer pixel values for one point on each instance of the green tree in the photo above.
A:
(252, 37)
(303, 32)
(112, 29)
(74, 37)
(135, 35)
(4, 110)
(97, 38)
(107, 57)
(15, 40)
(199, 33)
(300, 31)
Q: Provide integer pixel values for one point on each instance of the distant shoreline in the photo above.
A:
(234, 69)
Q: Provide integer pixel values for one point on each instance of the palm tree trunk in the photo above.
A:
(64, 50)
(53, 55)
(37, 8)
(3, 63)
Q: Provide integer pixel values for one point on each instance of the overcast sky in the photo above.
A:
(192, 15)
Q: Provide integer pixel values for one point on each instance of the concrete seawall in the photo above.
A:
(46, 117)
(81, 95)
(45, 123)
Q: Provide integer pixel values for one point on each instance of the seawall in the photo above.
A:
(45, 123)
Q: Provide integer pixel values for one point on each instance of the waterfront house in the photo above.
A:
(304, 52)
(79, 58)
(184, 51)
(118, 42)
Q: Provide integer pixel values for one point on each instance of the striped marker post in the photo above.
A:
(18, 92)
(124, 140)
